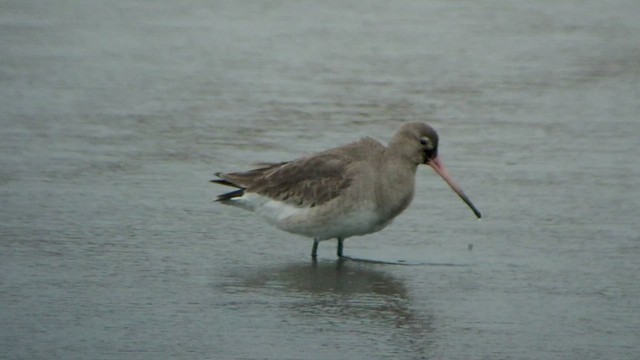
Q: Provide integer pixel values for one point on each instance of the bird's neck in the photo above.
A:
(395, 185)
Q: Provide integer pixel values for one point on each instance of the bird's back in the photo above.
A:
(311, 180)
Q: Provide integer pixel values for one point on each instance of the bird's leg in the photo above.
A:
(340, 240)
(314, 249)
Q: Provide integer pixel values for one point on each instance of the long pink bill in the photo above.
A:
(437, 165)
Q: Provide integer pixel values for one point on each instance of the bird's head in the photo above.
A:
(418, 142)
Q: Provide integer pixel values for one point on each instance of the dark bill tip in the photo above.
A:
(439, 168)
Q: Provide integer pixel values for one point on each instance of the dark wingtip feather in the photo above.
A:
(225, 182)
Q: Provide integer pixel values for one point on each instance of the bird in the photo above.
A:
(350, 190)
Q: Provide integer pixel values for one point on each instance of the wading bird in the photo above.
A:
(355, 189)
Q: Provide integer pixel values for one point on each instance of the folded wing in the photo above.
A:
(305, 182)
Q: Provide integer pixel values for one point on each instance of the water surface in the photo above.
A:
(115, 114)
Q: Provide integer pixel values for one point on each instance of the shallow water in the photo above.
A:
(115, 114)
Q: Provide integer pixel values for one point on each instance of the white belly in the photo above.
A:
(318, 222)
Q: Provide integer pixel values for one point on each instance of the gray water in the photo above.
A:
(115, 114)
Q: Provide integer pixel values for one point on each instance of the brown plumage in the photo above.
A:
(308, 181)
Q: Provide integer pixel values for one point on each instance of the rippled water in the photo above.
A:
(115, 114)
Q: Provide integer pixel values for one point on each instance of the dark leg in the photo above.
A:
(314, 250)
(340, 240)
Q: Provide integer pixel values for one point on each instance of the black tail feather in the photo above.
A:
(230, 195)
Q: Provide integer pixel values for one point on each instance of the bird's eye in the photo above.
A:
(424, 141)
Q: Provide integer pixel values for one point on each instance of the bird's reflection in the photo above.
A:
(346, 291)
(339, 277)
